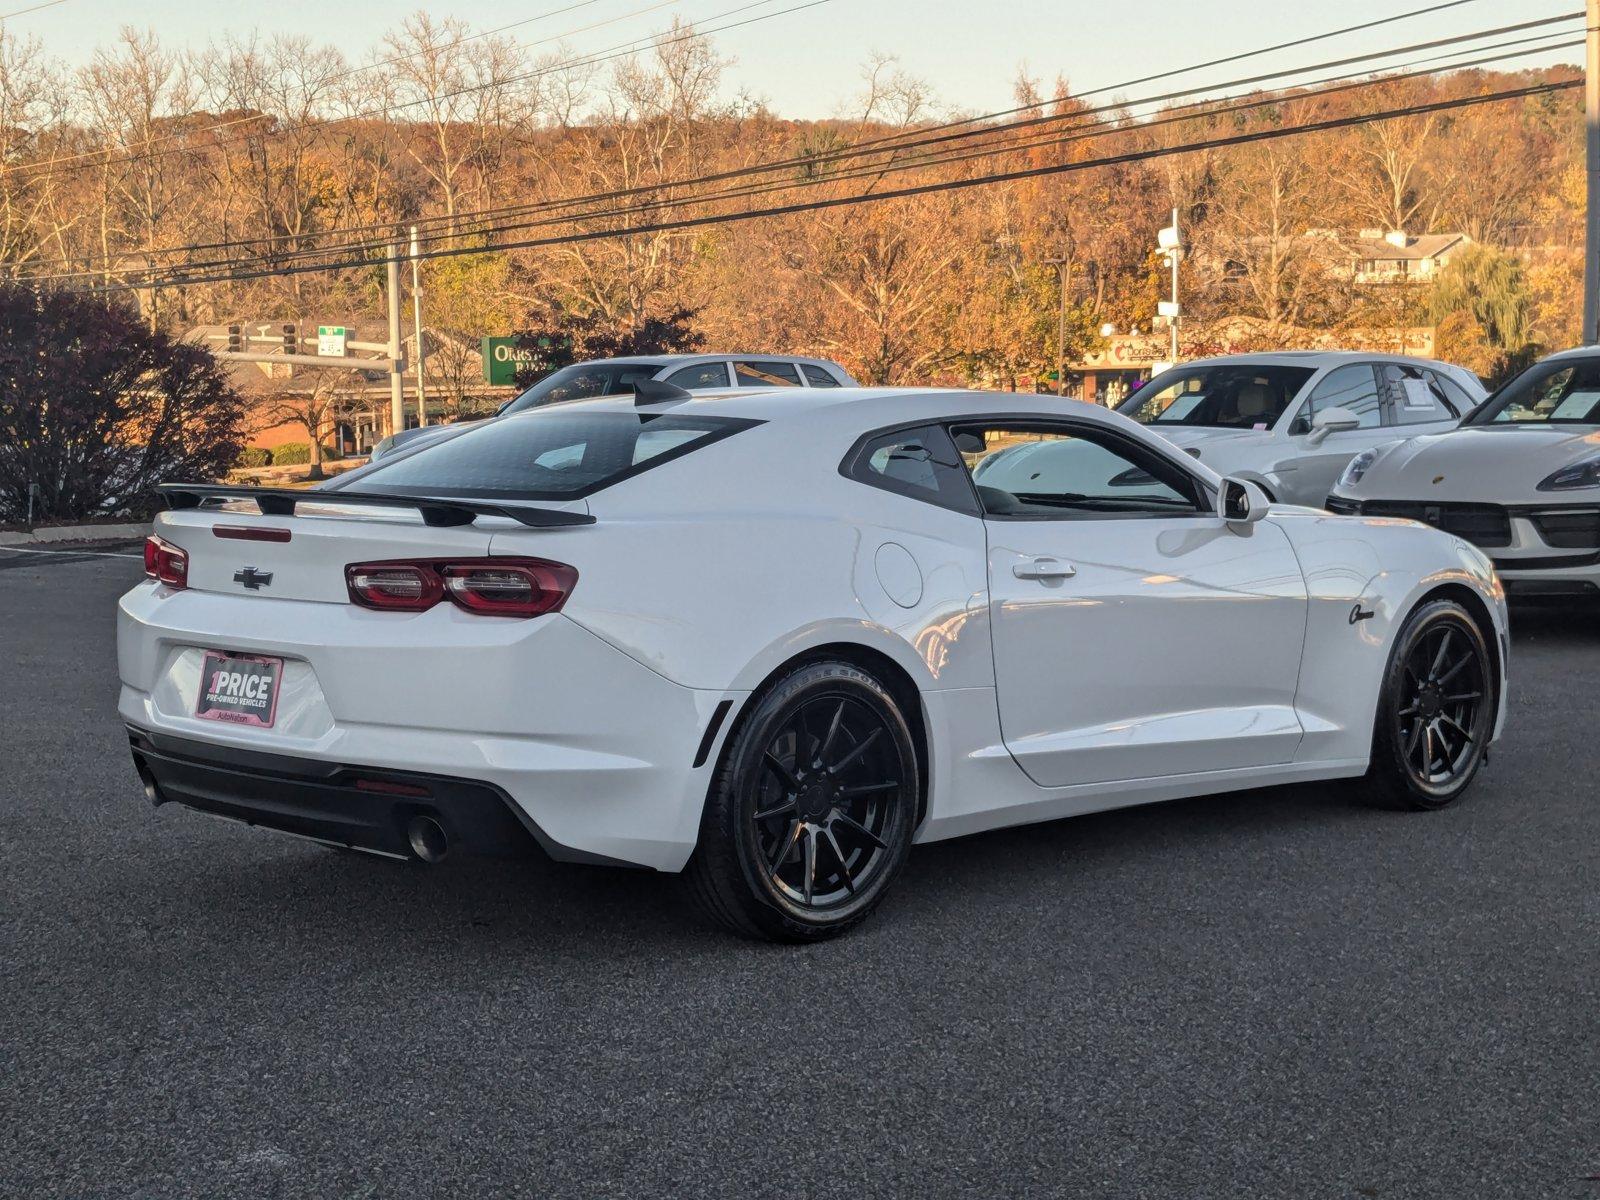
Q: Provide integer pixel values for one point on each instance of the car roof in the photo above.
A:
(868, 408)
(1574, 352)
(1316, 358)
(670, 360)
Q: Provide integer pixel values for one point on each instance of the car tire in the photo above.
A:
(811, 810)
(1436, 710)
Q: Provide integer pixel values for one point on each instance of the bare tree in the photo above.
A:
(315, 407)
(137, 96)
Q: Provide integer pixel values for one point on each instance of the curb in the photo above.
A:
(75, 533)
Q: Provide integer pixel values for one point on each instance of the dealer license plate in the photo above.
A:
(241, 688)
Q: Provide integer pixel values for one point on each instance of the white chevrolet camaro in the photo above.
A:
(774, 639)
(1289, 422)
(1520, 478)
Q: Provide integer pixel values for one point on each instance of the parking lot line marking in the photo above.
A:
(70, 553)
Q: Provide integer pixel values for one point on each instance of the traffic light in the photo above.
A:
(235, 338)
(291, 339)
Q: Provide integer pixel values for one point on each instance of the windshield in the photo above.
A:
(1554, 392)
(550, 455)
(582, 380)
(1220, 396)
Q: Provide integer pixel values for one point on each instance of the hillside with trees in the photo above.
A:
(257, 157)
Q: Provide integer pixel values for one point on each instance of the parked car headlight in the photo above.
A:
(1356, 468)
(1582, 474)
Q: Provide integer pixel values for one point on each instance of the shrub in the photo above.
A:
(95, 409)
(255, 456)
(298, 454)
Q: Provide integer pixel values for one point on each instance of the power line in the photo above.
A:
(462, 41)
(877, 146)
(102, 157)
(1202, 110)
(22, 12)
(624, 48)
(1004, 144)
(898, 193)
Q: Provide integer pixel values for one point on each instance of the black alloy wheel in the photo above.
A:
(1437, 710)
(811, 813)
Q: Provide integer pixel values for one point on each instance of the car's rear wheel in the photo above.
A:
(810, 814)
(1437, 709)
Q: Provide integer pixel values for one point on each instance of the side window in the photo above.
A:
(700, 375)
(628, 376)
(817, 377)
(1353, 387)
(766, 374)
(921, 463)
(1455, 396)
(1066, 471)
(1413, 398)
(592, 381)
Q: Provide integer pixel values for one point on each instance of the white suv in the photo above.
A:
(1289, 422)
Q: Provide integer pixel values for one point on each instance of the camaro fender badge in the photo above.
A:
(253, 579)
(1361, 614)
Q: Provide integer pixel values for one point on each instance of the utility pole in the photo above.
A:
(1063, 266)
(397, 395)
(416, 315)
(1170, 241)
(1591, 224)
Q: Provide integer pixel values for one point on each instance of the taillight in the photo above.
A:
(503, 587)
(509, 588)
(165, 562)
(394, 587)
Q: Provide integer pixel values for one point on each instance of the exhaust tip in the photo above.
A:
(427, 838)
(151, 792)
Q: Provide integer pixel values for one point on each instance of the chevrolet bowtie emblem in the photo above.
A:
(253, 579)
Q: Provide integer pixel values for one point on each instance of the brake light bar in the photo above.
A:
(165, 562)
(251, 533)
(499, 587)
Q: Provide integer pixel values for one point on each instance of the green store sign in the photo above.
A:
(502, 358)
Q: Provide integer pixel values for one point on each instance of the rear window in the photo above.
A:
(547, 455)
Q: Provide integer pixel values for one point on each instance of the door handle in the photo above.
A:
(1043, 568)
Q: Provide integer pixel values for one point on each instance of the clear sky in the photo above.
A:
(808, 64)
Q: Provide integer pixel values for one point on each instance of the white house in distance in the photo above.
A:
(1394, 256)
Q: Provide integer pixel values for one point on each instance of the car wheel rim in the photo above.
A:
(827, 812)
(1443, 690)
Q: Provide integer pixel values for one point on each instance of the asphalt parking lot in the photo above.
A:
(1280, 994)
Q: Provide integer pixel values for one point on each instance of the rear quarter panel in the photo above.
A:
(714, 569)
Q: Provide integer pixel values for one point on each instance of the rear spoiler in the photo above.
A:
(435, 510)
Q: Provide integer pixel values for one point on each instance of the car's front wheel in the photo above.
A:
(1436, 713)
(810, 814)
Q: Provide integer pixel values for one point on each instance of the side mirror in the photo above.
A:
(1241, 502)
(1332, 420)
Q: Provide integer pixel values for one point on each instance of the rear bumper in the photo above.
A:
(365, 808)
(596, 752)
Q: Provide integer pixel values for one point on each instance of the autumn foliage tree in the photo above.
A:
(95, 409)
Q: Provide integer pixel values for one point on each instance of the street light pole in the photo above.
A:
(1591, 225)
(1176, 251)
(416, 316)
(1063, 266)
(397, 395)
(1169, 241)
